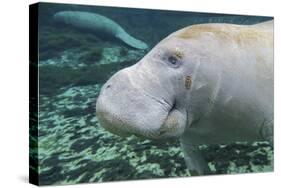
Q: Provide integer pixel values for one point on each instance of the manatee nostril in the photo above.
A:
(108, 86)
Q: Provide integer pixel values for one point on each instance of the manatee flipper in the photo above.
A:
(195, 162)
(131, 41)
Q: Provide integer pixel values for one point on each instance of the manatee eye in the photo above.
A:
(174, 61)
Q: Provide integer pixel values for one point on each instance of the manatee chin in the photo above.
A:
(125, 110)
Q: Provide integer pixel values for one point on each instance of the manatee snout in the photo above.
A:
(123, 108)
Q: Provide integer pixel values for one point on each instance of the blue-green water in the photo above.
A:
(74, 64)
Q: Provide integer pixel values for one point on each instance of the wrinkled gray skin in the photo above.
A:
(204, 84)
(98, 23)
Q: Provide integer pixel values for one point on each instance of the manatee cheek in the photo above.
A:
(174, 124)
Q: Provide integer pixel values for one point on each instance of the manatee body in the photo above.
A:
(98, 23)
(204, 84)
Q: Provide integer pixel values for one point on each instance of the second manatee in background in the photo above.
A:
(98, 23)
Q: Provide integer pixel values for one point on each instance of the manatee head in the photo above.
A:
(61, 16)
(151, 98)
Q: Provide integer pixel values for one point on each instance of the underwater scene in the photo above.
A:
(75, 62)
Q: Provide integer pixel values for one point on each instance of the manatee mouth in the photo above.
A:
(126, 125)
(171, 123)
(158, 133)
(162, 102)
(109, 122)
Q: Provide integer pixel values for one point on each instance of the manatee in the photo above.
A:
(204, 84)
(98, 23)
